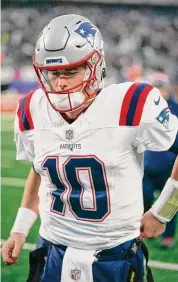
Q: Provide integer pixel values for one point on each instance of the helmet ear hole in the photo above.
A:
(103, 74)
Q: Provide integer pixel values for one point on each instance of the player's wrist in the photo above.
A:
(167, 204)
(159, 218)
(24, 220)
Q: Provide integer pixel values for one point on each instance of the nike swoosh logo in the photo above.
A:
(157, 102)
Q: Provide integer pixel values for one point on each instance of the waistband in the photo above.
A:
(132, 245)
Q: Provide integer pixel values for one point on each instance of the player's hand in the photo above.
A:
(151, 227)
(12, 247)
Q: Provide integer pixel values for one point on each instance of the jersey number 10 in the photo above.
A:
(75, 189)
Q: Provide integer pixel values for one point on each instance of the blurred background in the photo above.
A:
(141, 44)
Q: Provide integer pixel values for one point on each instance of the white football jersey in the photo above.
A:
(91, 170)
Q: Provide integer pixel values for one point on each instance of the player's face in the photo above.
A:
(63, 79)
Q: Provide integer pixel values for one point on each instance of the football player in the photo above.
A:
(86, 145)
(158, 165)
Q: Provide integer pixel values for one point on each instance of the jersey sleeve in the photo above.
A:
(23, 130)
(158, 128)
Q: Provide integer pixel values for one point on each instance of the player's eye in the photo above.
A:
(55, 73)
(71, 73)
(67, 73)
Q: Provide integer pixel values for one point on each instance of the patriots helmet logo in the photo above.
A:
(88, 31)
(163, 117)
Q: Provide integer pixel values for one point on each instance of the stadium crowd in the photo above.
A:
(145, 37)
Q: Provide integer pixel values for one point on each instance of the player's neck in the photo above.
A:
(75, 114)
(70, 117)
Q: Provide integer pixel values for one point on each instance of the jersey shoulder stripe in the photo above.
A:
(24, 114)
(133, 104)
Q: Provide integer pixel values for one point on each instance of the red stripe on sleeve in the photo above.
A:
(21, 126)
(140, 105)
(126, 103)
(27, 109)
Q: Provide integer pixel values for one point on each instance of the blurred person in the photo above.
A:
(135, 73)
(158, 165)
(7, 76)
(25, 80)
(86, 144)
(173, 78)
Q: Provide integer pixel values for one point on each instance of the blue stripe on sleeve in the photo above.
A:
(24, 119)
(134, 102)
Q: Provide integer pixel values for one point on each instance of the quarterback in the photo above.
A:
(86, 145)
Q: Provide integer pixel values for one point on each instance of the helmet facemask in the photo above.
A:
(69, 100)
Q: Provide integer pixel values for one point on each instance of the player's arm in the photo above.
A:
(174, 173)
(30, 197)
(153, 222)
(26, 216)
(157, 130)
(167, 204)
(27, 213)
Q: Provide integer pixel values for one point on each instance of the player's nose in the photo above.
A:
(62, 83)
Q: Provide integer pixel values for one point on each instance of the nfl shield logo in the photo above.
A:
(69, 134)
(75, 274)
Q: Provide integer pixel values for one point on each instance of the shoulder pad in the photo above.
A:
(133, 104)
(24, 113)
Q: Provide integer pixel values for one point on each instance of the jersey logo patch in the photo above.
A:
(69, 134)
(133, 104)
(75, 274)
(163, 117)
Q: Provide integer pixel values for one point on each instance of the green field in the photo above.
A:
(13, 173)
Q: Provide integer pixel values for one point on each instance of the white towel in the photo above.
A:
(77, 265)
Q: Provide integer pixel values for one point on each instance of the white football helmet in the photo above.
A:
(69, 41)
